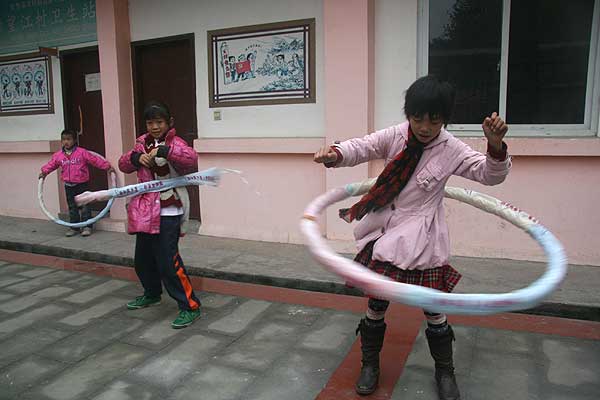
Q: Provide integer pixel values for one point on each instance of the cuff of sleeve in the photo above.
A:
(135, 159)
(500, 155)
(163, 151)
(339, 158)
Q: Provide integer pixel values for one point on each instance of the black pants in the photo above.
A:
(86, 212)
(157, 259)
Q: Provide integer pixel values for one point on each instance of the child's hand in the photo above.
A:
(325, 155)
(154, 152)
(42, 175)
(494, 130)
(147, 160)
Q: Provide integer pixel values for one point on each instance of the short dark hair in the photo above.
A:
(429, 95)
(156, 110)
(69, 132)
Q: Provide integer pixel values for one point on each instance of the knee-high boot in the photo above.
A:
(440, 346)
(371, 339)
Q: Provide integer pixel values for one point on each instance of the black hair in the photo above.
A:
(156, 110)
(429, 95)
(69, 132)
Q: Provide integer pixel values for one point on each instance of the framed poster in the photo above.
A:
(262, 64)
(26, 85)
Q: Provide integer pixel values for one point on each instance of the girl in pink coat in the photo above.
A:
(156, 218)
(74, 162)
(402, 230)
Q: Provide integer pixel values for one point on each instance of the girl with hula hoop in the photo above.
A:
(402, 233)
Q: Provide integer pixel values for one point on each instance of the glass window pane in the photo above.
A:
(465, 38)
(548, 61)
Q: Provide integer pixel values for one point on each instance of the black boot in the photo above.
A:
(440, 346)
(371, 339)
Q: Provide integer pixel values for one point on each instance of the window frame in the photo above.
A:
(590, 125)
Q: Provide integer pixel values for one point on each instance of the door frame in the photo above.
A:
(190, 37)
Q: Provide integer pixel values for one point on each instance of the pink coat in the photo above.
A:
(74, 166)
(412, 231)
(143, 211)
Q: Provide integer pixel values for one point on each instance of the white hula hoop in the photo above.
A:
(430, 299)
(101, 214)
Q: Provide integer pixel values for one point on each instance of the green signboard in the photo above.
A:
(26, 25)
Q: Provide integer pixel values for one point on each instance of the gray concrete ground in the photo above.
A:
(495, 364)
(67, 335)
(292, 266)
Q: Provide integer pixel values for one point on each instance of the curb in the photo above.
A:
(549, 309)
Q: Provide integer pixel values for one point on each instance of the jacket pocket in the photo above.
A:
(429, 176)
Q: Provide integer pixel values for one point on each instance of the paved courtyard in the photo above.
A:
(66, 334)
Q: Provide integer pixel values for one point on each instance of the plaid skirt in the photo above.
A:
(442, 278)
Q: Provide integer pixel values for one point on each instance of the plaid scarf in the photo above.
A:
(390, 182)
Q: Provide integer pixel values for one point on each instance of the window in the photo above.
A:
(534, 61)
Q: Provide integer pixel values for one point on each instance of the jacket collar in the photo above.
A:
(72, 149)
(441, 138)
(167, 136)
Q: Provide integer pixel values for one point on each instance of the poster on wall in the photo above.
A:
(26, 85)
(262, 64)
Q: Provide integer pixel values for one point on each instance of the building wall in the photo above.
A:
(555, 180)
(199, 16)
(21, 162)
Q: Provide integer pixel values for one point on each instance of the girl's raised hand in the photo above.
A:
(325, 155)
(494, 129)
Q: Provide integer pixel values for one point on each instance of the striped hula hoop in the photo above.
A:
(430, 299)
(209, 177)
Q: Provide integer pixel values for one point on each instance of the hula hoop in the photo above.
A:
(210, 177)
(81, 224)
(430, 299)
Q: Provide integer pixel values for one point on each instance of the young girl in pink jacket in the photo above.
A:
(74, 162)
(156, 218)
(402, 231)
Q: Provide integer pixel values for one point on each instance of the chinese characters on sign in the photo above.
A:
(28, 24)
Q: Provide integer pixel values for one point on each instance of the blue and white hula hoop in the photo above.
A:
(209, 177)
(430, 299)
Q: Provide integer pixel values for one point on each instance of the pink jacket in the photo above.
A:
(143, 212)
(412, 231)
(74, 167)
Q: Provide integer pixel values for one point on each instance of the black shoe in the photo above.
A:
(371, 339)
(440, 346)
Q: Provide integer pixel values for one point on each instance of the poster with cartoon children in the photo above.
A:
(24, 85)
(260, 65)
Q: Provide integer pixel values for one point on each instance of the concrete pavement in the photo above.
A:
(66, 335)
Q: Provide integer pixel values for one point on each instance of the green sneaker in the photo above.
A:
(185, 318)
(143, 301)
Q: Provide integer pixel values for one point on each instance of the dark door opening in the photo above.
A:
(164, 69)
(75, 66)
